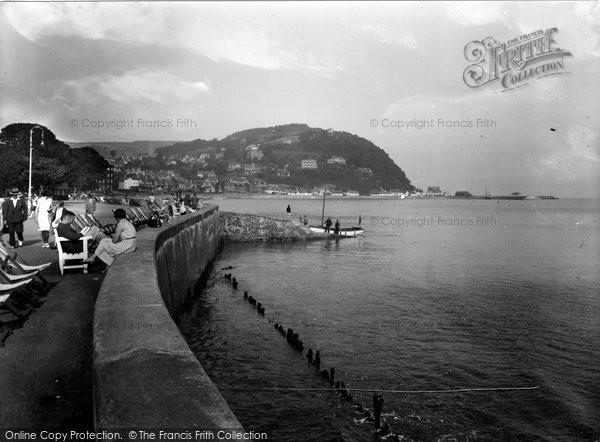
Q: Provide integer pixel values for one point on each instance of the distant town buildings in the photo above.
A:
(107, 181)
(434, 191)
(337, 160)
(252, 168)
(129, 183)
(308, 164)
(233, 166)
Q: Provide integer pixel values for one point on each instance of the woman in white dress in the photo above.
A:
(123, 240)
(43, 212)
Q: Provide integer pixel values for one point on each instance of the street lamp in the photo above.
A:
(31, 161)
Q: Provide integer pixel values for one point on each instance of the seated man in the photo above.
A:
(67, 230)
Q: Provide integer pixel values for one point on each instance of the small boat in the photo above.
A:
(346, 231)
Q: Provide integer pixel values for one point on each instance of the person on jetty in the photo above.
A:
(336, 229)
(66, 229)
(123, 240)
(328, 224)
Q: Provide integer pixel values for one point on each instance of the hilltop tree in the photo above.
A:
(53, 163)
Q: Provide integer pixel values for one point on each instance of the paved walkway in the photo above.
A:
(46, 366)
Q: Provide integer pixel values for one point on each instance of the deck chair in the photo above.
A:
(133, 219)
(146, 216)
(6, 291)
(37, 286)
(107, 229)
(83, 219)
(32, 292)
(63, 257)
(79, 224)
(139, 214)
(12, 263)
(147, 212)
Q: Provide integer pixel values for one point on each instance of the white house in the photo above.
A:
(337, 160)
(129, 183)
(308, 164)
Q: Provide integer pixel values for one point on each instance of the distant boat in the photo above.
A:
(347, 232)
(487, 195)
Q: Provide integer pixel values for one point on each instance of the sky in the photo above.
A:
(181, 71)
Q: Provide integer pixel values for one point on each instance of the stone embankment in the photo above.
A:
(145, 375)
(244, 227)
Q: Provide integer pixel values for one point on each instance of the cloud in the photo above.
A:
(137, 88)
(474, 13)
(382, 34)
(578, 22)
(227, 33)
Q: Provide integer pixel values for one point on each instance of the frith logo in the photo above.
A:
(516, 62)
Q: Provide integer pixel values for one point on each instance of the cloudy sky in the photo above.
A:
(348, 66)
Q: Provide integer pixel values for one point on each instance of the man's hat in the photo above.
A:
(14, 191)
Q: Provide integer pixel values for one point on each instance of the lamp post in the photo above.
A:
(31, 161)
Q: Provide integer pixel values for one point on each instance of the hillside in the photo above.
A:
(344, 160)
(122, 148)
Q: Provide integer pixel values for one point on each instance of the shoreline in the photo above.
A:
(222, 196)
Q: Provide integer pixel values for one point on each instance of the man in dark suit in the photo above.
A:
(67, 230)
(14, 212)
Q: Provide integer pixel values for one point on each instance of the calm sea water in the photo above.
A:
(437, 294)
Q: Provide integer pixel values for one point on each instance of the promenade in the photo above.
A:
(46, 366)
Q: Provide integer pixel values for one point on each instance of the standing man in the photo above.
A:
(90, 204)
(14, 211)
(328, 224)
(288, 210)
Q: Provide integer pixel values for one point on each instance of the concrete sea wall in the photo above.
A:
(145, 375)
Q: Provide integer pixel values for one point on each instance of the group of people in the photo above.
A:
(336, 227)
(60, 221)
(328, 223)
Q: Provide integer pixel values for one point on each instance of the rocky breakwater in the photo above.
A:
(244, 227)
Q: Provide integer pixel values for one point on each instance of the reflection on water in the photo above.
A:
(450, 304)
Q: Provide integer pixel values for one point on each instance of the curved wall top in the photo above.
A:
(145, 375)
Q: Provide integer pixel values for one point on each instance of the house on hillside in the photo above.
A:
(337, 160)
(254, 154)
(233, 166)
(308, 164)
(252, 168)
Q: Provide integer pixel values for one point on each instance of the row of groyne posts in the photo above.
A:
(314, 359)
